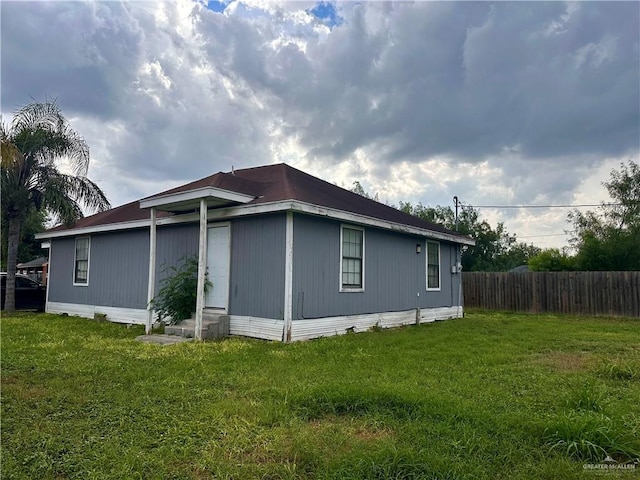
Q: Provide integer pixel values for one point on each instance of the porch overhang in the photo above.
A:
(190, 200)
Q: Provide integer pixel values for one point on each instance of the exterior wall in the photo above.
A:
(257, 266)
(118, 270)
(118, 266)
(395, 276)
(172, 244)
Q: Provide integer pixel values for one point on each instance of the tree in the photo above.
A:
(359, 189)
(517, 253)
(551, 260)
(29, 248)
(608, 239)
(495, 249)
(36, 140)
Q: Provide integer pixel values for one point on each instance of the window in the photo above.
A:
(433, 266)
(352, 256)
(81, 270)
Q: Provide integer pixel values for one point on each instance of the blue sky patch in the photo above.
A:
(216, 6)
(326, 12)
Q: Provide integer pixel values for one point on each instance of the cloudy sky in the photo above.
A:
(498, 103)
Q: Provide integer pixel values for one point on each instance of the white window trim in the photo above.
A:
(426, 266)
(75, 251)
(347, 289)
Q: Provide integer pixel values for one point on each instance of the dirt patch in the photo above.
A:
(565, 362)
(372, 434)
(353, 429)
(22, 390)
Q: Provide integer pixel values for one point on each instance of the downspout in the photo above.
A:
(152, 271)
(202, 267)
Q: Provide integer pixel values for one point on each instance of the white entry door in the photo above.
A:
(218, 260)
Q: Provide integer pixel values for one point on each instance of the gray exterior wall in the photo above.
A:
(172, 244)
(118, 265)
(394, 273)
(257, 266)
(118, 270)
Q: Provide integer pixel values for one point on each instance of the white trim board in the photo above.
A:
(329, 326)
(136, 316)
(288, 278)
(256, 327)
(270, 328)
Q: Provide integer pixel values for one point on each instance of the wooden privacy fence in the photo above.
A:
(585, 293)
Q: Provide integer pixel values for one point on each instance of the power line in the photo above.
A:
(547, 235)
(551, 206)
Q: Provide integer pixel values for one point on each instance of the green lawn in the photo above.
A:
(493, 395)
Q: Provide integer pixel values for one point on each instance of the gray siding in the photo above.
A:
(118, 270)
(394, 273)
(257, 266)
(118, 265)
(172, 244)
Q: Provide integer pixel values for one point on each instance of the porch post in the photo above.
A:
(288, 278)
(202, 267)
(152, 271)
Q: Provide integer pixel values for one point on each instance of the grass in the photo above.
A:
(490, 396)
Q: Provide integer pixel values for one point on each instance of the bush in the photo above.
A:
(177, 297)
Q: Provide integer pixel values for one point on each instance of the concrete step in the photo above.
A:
(191, 322)
(211, 327)
(180, 331)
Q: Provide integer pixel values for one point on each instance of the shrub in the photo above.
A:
(177, 297)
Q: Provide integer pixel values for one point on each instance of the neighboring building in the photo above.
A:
(290, 256)
(35, 269)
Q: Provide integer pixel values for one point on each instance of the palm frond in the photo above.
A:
(88, 193)
(40, 130)
(63, 195)
(11, 156)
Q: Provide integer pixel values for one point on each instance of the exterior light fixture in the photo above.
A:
(418, 248)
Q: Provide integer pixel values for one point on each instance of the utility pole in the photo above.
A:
(458, 268)
(456, 203)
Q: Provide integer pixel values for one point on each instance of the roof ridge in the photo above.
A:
(290, 184)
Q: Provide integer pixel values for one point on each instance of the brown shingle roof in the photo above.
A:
(271, 183)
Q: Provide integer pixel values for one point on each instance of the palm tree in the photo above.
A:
(39, 136)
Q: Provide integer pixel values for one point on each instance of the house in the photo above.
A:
(35, 269)
(290, 256)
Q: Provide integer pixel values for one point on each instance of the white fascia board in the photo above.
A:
(190, 195)
(109, 227)
(280, 206)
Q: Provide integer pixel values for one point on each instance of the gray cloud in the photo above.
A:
(472, 80)
(83, 53)
(542, 92)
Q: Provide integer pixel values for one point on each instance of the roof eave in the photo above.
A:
(256, 209)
